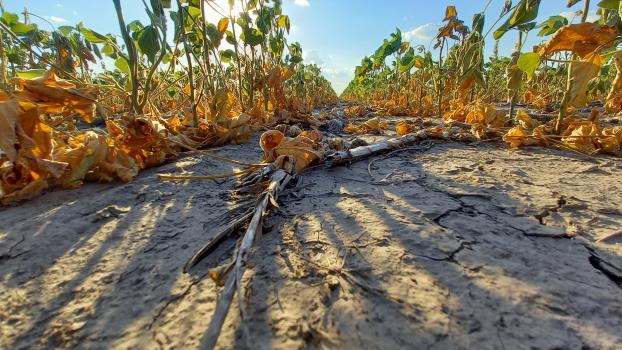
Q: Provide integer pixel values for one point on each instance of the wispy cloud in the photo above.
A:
(58, 4)
(423, 32)
(338, 75)
(576, 16)
(56, 19)
(314, 57)
(302, 3)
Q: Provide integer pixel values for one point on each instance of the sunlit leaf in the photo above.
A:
(123, 65)
(526, 11)
(92, 36)
(31, 73)
(529, 62)
(581, 38)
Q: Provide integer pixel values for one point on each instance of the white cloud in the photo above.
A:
(314, 57)
(339, 75)
(570, 15)
(592, 17)
(302, 3)
(576, 16)
(423, 32)
(56, 19)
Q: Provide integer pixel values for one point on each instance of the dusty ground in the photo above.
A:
(444, 246)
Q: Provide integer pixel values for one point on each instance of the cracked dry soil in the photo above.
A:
(452, 247)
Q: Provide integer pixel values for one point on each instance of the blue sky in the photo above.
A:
(335, 34)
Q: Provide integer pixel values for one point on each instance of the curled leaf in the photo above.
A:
(581, 38)
(403, 128)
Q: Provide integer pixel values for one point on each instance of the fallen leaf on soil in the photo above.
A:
(517, 137)
(403, 128)
(302, 149)
(373, 125)
(582, 137)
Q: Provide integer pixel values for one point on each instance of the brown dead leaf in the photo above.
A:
(580, 38)
(582, 72)
(371, 126)
(517, 137)
(403, 128)
(313, 134)
(56, 96)
(582, 137)
(301, 149)
(525, 120)
(610, 140)
(614, 98)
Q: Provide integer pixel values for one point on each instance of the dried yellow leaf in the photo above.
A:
(580, 38)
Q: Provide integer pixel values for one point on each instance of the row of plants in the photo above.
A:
(577, 63)
(151, 95)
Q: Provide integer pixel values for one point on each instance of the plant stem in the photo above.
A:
(237, 59)
(519, 44)
(440, 81)
(206, 50)
(153, 69)
(4, 80)
(193, 107)
(586, 9)
(569, 79)
(132, 55)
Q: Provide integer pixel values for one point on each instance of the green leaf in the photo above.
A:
(478, 22)
(609, 4)
(552, 25)
(97, 52)
(251, 5)
(214, 35)
(65, 29)
(571, 3)
(92, 36)
(135, 26)
(227, 55)
(172, 93)
(148, 42)
(252, 36)
(277, 45)
(409, 60)
(194, 12)
(526, 27)
(526, 11)
(529, 62)
(109, 50)
(230, 38)
(9, 18)
(123, 66)
(31, 73)
(20, 28)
